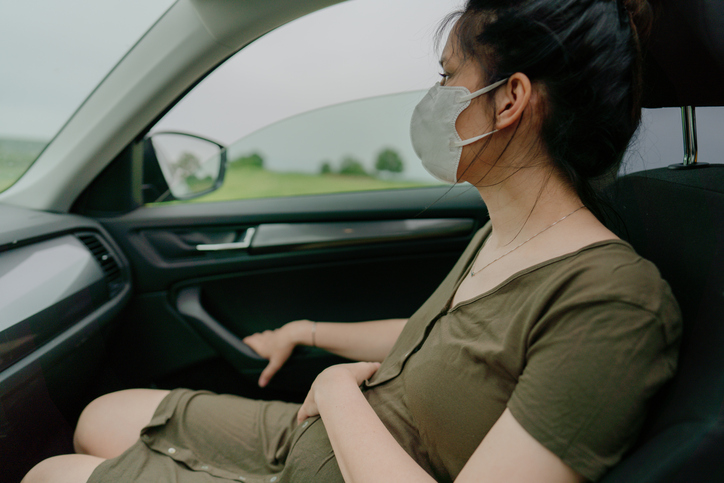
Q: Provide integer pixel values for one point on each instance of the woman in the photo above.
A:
(534, 359)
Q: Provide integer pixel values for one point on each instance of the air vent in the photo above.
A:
(106, 260)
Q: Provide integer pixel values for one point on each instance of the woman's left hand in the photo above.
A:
(335, 377)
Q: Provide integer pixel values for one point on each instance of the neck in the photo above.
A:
(525, 203)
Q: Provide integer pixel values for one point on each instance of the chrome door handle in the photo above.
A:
(242, 245)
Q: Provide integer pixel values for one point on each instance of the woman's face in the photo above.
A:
(477, 118)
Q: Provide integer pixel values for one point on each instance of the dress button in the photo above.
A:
(172, 450)
(304, 425)
(273, 479)
(242, 478)
(204, 467)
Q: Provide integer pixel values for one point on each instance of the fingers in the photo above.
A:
(331, 377)
(275, 363)
(364, 370)
(258, 342)
(308, 408)
(273, 346)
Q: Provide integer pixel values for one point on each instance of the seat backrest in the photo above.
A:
(675, 218)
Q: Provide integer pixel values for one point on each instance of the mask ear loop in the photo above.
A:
(460, 144)
(484, 90)
(469, 97)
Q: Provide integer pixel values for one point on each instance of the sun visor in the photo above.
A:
(684, 62)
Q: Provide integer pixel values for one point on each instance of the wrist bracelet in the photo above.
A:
(314, 333)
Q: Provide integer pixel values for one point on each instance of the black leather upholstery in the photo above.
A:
(676, 220)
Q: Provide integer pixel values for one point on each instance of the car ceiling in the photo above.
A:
(186, 43)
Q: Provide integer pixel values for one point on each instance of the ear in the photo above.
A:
(511, 100)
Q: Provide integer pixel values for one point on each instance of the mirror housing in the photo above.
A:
(181, 166)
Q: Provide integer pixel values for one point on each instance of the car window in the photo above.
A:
(51, 68)
(322, 104)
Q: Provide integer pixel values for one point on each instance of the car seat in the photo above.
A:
(675, 218)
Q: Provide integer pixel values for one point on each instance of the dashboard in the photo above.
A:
(62, 280)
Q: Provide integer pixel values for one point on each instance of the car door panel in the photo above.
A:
(344, 258)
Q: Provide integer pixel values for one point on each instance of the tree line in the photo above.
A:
(387, 161)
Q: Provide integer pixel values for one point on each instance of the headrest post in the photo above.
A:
(691, 144)
(688, 125)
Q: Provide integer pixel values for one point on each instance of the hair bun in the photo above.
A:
(642, 17)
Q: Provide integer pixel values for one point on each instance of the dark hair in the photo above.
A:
(586, 56)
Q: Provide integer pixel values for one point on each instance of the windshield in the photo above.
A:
(54, 54)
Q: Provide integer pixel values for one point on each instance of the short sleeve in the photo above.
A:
(590, 369)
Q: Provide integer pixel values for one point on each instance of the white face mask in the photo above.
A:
(432, 129)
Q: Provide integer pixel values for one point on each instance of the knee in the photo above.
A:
(91, 423)
(111, 424)
(97, 421)
(40, 473)
(63, 469)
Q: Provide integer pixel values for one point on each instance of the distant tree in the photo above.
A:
(253, 160)
(350, 166)
(187, 163)
(326, 168)
(389, 160)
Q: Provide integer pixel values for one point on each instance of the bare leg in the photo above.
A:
(112, 423)
(69, 468)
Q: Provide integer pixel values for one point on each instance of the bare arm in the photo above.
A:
(362, 341)
(367, 452)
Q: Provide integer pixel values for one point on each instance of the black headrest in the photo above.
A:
(684, 61)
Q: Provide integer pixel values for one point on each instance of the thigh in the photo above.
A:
(112, 423)
(70, 468)
(197, 436)
(223, 431)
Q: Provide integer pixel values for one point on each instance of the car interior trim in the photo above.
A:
(36, 277)
(307, 236)
(188, 303)
(242, 245)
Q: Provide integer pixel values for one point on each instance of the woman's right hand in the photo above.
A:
(277, 345)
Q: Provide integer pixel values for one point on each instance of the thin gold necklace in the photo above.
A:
(474, 272)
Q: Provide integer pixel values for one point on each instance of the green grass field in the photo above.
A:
(249, 182)
(16, 156)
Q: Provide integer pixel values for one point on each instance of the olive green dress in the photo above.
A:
(574, 347)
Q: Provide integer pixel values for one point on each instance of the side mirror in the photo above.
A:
(181, 166)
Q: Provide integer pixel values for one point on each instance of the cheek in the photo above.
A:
(466, 159)
(473, 121)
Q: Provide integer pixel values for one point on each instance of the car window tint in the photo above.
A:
(321, 104)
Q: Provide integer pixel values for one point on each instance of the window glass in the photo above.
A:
(322, 104)
(51, 68)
